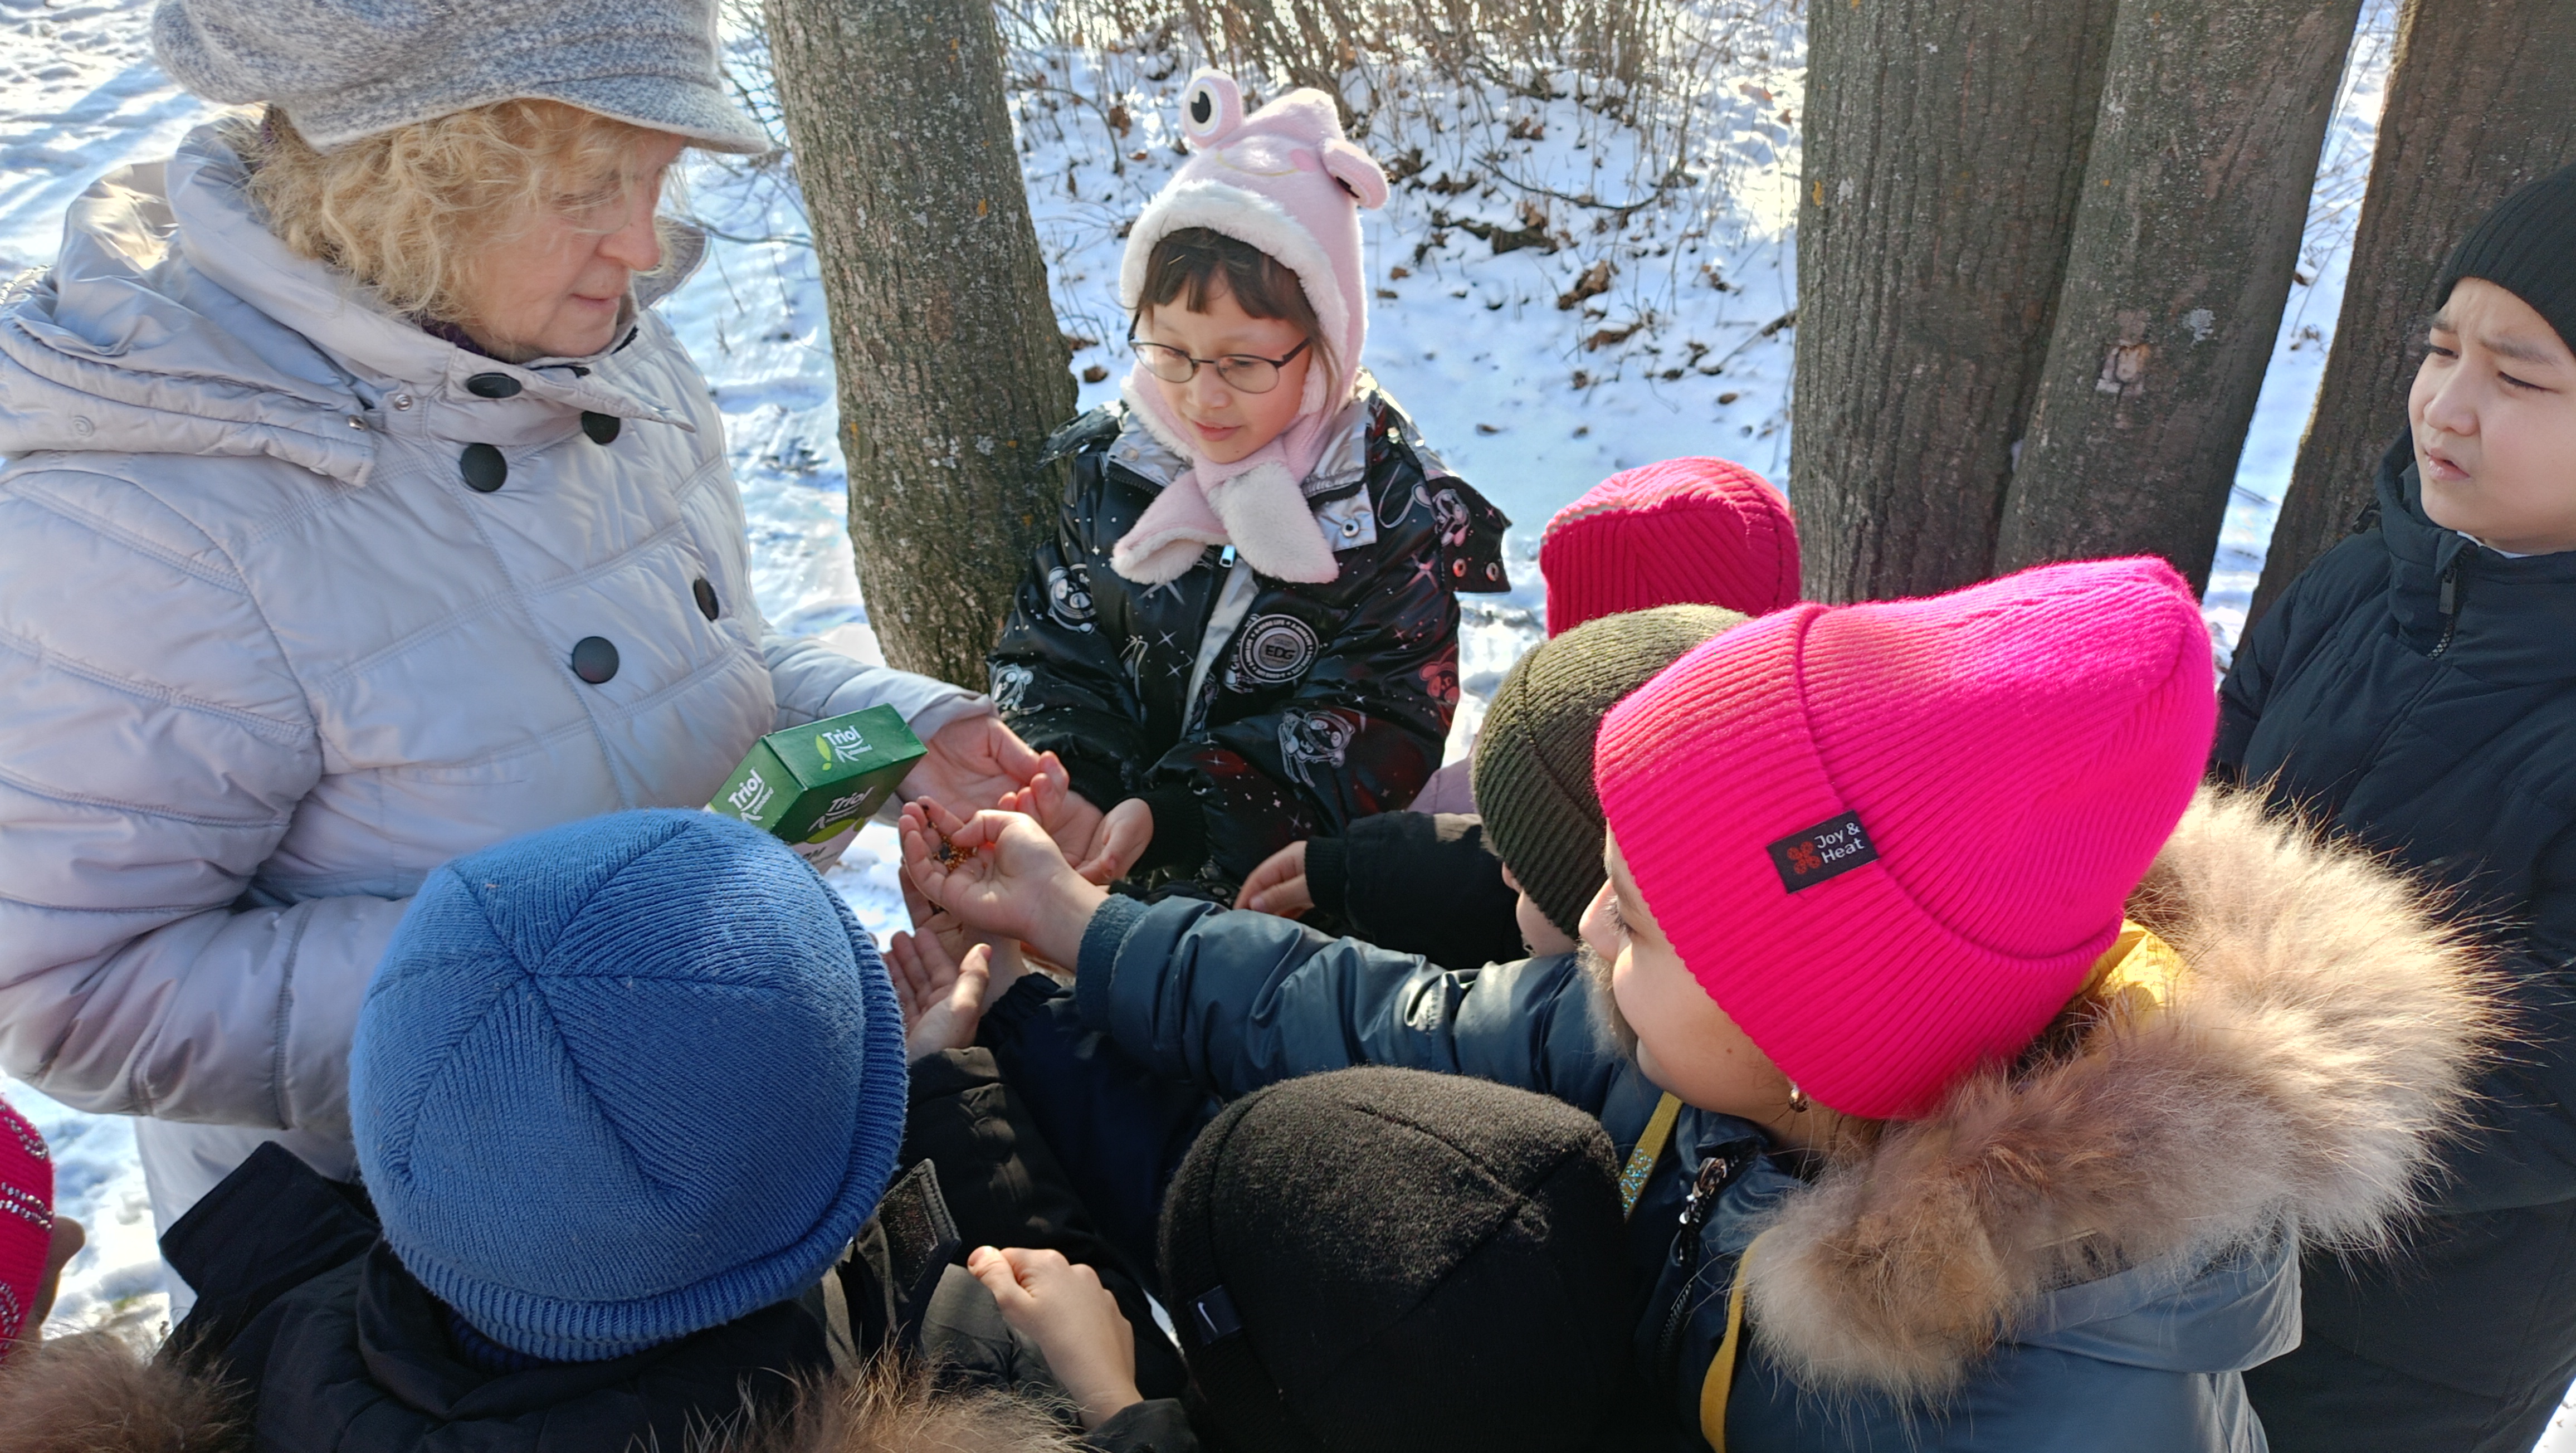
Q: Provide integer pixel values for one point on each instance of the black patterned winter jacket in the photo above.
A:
(1249, 712)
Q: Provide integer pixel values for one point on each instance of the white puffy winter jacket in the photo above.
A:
(298, 602)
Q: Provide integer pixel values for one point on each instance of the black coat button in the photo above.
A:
(594, 659)
(602, 428)
(706, 595)
(483, 467)
(492, 386)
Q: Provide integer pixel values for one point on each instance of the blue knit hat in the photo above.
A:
(625, 1079)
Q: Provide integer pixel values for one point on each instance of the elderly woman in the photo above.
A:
(358, 513)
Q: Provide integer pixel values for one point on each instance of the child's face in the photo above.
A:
(1685, 1043)
(2494, 410)
(1541, 936)
(1225, 425)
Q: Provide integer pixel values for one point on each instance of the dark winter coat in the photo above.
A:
(1250, 712)
(1418, 883)
(1874, 1310)
(2416, 692)
(333, 1344)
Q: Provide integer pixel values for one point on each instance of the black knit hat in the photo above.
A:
(1393, 1259)
(2527, 246)
(1533, 772)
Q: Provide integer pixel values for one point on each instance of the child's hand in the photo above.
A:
(1125, 832)
(1073, 1319)
(942, 995)
(1068, 816)
(999, 874)
(1008, 962)
(1279, 884)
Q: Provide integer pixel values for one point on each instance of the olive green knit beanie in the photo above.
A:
(1533, 772)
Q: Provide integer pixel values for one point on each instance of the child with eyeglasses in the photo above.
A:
(1244, 629)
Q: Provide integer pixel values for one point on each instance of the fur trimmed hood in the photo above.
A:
(103, 1392)
(2323, 1037)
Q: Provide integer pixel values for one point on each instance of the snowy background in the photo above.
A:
(1572, 277)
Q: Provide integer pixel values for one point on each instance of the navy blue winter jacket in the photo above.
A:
(2416, 692)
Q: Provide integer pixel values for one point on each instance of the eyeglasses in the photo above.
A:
(1247, 373)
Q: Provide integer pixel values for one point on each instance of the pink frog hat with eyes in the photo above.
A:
(1286, 180)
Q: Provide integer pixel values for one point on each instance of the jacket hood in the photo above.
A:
(173, 322)
(2139, 1189)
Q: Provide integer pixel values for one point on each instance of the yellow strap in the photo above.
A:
(1650, 1149)
(1720, 1381)
(2137, 975)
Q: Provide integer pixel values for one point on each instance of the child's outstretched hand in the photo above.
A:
(999, 874)
(1125, 832)
(1073, 1319)
(942, 995)
(1279, 884)
(1067, 815)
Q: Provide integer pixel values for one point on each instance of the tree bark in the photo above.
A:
(952, 369)
(1945, 149)
(2196, 193)
(2481, 99)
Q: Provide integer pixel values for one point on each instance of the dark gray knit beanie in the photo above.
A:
(2527, 246)
(1533, 771)
(1383, 1260)
(343, 70)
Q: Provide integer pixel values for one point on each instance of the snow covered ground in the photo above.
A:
(1568, 281)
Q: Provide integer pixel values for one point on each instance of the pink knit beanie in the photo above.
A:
(1890, 839)
(1287, 181)
(1683, 532)
(26, 1221)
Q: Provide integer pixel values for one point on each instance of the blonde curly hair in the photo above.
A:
(413, 214)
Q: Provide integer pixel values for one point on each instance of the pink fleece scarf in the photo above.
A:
(1287, 181)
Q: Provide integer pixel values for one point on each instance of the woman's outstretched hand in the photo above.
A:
(970, 763)
(1000, 875)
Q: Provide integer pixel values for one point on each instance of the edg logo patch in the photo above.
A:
(1829, 849)
(1275, 650)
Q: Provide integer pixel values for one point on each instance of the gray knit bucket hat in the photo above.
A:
(343, 70)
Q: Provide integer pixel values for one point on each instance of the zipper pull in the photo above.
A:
(2451, 587)
(1702, 1199)
(1703, 1192)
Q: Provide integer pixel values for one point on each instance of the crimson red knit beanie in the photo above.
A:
(26, 1221)
(1891, 838)
(1683, 532)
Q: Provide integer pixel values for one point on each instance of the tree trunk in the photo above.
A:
(1945, 148)
(2481, 99)
(2213, 114)
(952, 369)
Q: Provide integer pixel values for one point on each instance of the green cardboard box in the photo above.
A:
(806, 783)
